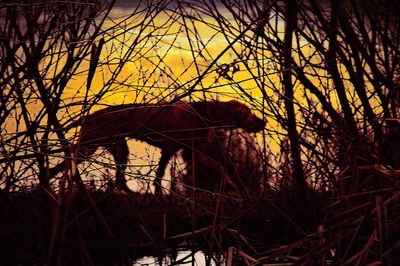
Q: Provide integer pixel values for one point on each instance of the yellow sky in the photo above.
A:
(166, 64)
(170, 56)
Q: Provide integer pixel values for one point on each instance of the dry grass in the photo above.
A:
(358, 225)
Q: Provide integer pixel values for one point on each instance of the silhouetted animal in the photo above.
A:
(237, 155)
(170, 127)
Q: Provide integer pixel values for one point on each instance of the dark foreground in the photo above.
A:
(357, 224)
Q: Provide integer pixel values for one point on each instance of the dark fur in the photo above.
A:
(231, 156)
(186, 126)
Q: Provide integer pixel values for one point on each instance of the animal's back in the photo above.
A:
(111, 122)
(161, 125)
(156, 124)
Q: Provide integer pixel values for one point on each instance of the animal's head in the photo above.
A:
(241, 116)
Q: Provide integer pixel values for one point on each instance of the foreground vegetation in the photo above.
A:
(358, 225)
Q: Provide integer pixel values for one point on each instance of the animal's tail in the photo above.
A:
(75, 123)
(57, 169)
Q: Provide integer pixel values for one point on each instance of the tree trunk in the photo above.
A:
(298, 173)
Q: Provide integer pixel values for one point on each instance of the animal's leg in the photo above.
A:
(120, 152)
(213, 165)
(209, 166)
(165, 157)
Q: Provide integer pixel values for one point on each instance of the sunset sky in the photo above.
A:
(165, 61)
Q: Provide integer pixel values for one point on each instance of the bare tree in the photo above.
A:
(323, 74)
(44, 47)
